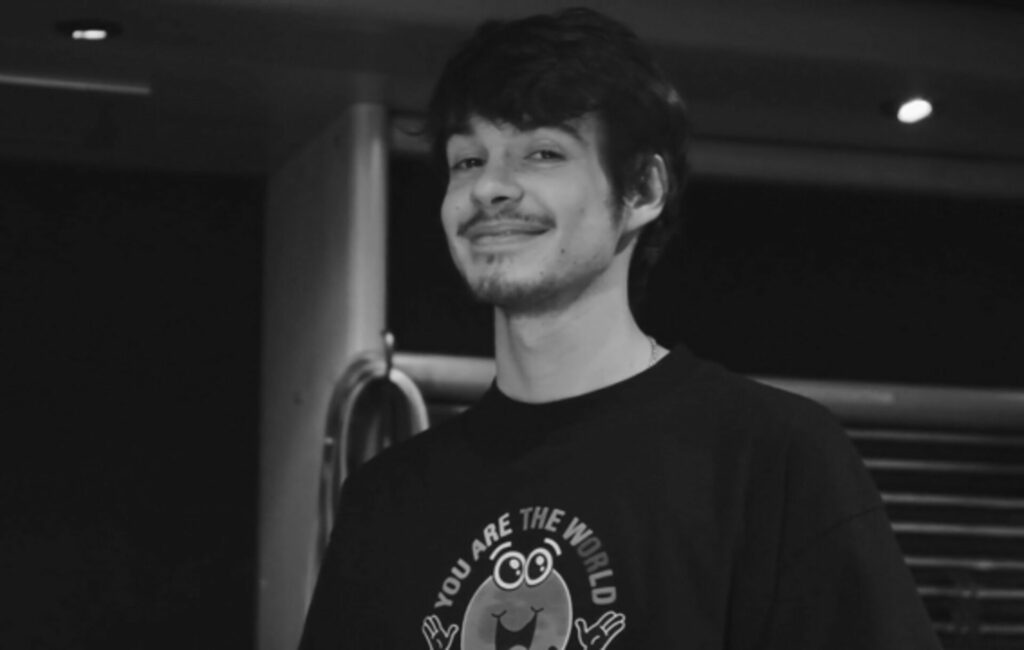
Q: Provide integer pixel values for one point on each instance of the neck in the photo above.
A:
(587, 346)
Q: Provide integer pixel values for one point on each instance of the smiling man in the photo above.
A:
(536, 229)
(604, 493)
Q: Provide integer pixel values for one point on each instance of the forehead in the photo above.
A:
(587, 129)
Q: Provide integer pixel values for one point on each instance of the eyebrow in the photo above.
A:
(567, 128)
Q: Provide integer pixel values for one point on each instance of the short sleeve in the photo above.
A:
(842, 582)
(341, 614)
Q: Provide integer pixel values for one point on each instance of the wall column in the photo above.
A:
(324, 298)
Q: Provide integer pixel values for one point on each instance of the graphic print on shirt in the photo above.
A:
(508, 592)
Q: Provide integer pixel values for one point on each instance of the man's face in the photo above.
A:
(529, 215)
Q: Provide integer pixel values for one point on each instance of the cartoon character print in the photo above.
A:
(524, 604)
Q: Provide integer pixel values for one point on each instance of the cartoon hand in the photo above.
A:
(437, 637)
(601, 633)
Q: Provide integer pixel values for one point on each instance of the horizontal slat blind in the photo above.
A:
(956, 500)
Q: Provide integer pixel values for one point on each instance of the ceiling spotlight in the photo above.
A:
(89, 34)
(914, 110)
(88, 30)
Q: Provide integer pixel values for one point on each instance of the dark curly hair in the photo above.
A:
(549, 69)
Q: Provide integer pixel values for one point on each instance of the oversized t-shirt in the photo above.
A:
(685, 507)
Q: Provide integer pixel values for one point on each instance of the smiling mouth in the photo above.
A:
(505, 238)
(506, 639)
(502, 230)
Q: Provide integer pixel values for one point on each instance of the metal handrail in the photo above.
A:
(942, 466)
(864, 404)
(975, 593)
(983, 629)
(952, 500)
(365, 369)
(957, 530)
(981, 565)
(447, 378)
(464, 379)
(919, 437)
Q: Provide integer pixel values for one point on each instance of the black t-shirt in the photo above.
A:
(685, 507)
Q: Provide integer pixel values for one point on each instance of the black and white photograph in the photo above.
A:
(538, 325)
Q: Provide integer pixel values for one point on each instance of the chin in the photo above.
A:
(520, 297)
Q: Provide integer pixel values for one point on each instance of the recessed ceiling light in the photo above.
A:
(914, 110)
(89, 30)
(94, 34)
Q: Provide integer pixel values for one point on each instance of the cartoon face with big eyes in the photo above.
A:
(524, 604)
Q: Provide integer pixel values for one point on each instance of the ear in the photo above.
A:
(646, 204)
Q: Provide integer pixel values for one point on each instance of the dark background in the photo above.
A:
(130, 355)
(130, 351)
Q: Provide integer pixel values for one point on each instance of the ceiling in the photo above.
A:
(237, 85)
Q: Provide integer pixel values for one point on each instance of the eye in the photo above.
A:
(546, 155)
(509, 570)
(538, 566)
(465, 163)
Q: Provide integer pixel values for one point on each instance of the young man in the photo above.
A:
(604, 493)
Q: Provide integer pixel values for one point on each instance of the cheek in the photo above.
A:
(450, 216)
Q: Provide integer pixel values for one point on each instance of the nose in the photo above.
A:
(496, 185)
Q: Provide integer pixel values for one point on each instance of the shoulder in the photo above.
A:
(740, 406)
(820, 477)
(811, 438)
(399, 473)
(801, 475)
(791, 446)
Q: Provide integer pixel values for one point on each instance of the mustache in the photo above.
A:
(507, 216)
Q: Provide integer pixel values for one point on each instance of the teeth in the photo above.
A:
(507, 233)
(496, 235)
